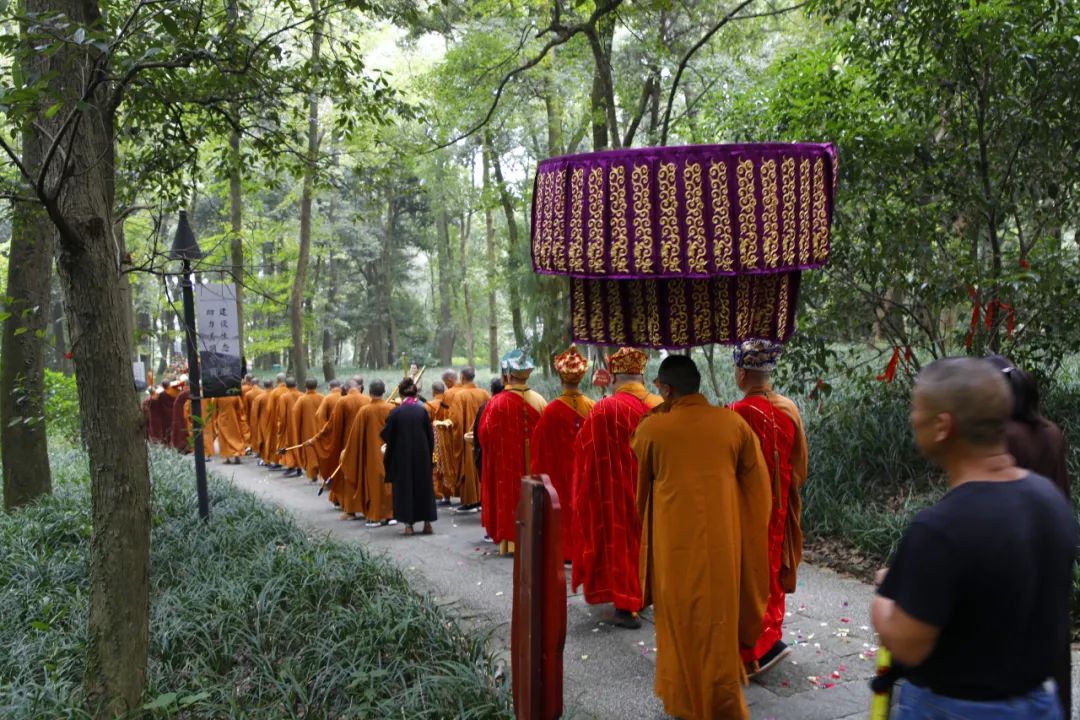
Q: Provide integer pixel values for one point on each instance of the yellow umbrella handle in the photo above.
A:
(881, 702)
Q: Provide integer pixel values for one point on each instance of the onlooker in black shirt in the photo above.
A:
(976, 604)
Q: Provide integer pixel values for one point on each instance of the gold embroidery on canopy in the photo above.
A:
(643, 239)
(596, 312)
(702, 311)
(652, 312)
(638, 324)
(743, 311)
(669, 219)
(620, 240)
(581, 326)
(723, 244)
(782, 310)
(596, 220)
(764, 310)
(549, 198)
(541, 221)
(722, 307)
(577, 239)
(769, 201)
(695, 219)
(559, 247)
(615, 314)
(804, 212)
(821, 220)
(748, 235)
(787, 179)
(679, 319)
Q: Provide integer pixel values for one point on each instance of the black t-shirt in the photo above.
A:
(991, 565)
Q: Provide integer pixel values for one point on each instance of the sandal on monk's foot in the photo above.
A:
(626, 619)
(409, 531)
(428, 530)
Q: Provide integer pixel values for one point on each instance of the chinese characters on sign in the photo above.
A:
(219, 339)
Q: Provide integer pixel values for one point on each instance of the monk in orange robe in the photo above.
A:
(556, 433)
(256, 420)
(230, 427)
(778, 425)
(464, 404)
(505, 433)
(456, 448)
(270, 420)
(439, 412)
(365, 469)
(322, 416)
(249, 391)
(606, 534)
(290, 460)
(704, 500)
(331, 440)
(302, 425)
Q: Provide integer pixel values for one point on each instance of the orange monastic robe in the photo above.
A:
(321, 443)
(332, 440)
(257, 418)
(302, 425)
(464, 405)
(208, 426)
(455, 449)
(438, 411)
(365, 469)
(286, 402)
(230, 425)
(553, 453)
(248, 396)
(270, 420)
(704, 500)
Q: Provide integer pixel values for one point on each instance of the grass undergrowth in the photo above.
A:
(250, 617)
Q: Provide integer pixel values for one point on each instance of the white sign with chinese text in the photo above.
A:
(219, 338)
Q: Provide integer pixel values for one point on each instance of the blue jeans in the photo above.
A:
(917, 703)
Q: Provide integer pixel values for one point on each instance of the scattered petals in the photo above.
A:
(499, 594)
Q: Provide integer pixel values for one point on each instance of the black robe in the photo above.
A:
(410, 443)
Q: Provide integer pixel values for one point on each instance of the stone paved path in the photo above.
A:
(609, 670)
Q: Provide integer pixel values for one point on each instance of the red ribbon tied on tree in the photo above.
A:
(894, 362)
(989, 309)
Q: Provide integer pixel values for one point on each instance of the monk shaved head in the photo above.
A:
(468, 374)
(290, 382)
(449, 377)
(281, 377)
(378, 387)
(679, 373)
(437, 388)
(311, 383)
(268, 384)
(335, 383)
(960, 400)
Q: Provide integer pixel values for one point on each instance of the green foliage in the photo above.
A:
(251, 618)
(62, 406)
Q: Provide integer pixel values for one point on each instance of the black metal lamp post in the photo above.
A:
(185, 248)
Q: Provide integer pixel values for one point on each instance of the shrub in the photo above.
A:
(250, 617)
(62, 406)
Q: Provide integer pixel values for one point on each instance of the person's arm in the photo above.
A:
(916, 596)
(909, 640)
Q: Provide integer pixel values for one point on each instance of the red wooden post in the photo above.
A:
(538, 630)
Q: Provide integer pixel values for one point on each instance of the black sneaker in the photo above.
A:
(626, 619)
(776, 653)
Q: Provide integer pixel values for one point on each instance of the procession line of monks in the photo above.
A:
(666, 500)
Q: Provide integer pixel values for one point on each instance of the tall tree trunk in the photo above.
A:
(445, 332)
(553, 103)
(79, 196)
(604, 120)
(236, 218)
(296, 306)
(489, 226)
(328, 340)
(463, 279)
(22, 362)
(507, 202)
(59, 330)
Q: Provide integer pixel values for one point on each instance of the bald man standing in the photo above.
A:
(976, 603)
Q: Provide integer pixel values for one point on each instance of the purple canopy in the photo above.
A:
(681, 246)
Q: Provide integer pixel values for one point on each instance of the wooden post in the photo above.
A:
(538, 631)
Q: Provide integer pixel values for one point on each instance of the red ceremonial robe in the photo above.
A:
(607, 531)
(506, 423)
(776, 433)
(178, 429)
(553, 454)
